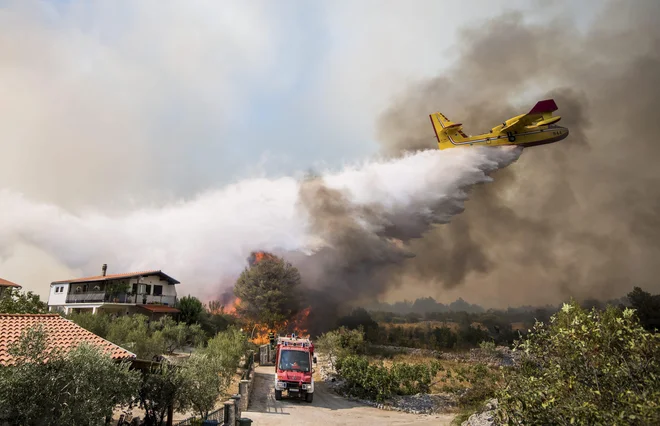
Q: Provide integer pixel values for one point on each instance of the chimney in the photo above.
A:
(104, 268)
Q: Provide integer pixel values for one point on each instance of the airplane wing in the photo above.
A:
(541, 111)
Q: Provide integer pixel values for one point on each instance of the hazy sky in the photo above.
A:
(116, 105)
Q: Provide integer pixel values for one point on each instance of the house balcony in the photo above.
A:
(101, 297)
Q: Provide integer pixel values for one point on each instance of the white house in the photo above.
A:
(148, 292)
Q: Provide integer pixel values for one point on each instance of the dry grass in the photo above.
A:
(232, 388)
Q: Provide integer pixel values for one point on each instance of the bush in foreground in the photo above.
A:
(585, 367)
(50, 387)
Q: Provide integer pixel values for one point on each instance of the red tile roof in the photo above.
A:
(61, 333)
(160, 308)
(115, 276)
(5, 283)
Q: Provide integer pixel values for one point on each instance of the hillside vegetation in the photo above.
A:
(580, 366)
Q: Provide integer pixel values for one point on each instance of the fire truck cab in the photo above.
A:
(293, 368)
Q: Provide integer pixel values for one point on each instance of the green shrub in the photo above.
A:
(341, 343)
(414, 378)
(98, 323)
(377, 382)
(482, 380)
(365, 380)
(490, 349)
(487, 346)
(585, 367)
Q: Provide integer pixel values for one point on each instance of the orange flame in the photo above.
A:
(298, 325)
(231, 309)
(258, 256)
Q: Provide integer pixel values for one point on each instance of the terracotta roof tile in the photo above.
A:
(159, 308)
(5, 283)
(115, 276)
(61, 333)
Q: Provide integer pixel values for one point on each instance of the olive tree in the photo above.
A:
(202, 382)
(15, 301)
(136, 334)
(159, 389)
(227, 347)
(178, 335)
(49, 386)
(209, 372)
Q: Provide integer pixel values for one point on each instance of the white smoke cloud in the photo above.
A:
(107, 102)
(205, 241)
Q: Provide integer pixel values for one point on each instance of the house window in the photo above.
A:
(148, 289)
(158, 290)
(135, 288)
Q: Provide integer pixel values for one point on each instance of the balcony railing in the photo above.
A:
(101, 297)
(89, 297)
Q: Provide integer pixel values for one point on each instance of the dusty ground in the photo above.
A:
(327, 408)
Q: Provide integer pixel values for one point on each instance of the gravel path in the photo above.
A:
(328, 408)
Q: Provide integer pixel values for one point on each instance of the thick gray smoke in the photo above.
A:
(343, 216)
(364, 236)
(577, 218)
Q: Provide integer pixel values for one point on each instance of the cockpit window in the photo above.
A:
(294, 360)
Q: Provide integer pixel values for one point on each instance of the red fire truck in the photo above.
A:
(293, 367)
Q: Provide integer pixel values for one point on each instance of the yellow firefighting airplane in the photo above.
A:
(534, 128)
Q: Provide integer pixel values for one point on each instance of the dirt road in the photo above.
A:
(328, 408)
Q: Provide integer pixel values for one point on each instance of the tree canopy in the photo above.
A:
(51, 387)
(647, 308)
(191, 309)
(15, 301)
(359, 317)
(270, 292)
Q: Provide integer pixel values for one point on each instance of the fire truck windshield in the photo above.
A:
(294, 360)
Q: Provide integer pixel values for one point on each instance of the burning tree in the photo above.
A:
(268, 292)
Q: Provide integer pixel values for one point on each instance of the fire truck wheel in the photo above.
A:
(278, 395)
(309, 397)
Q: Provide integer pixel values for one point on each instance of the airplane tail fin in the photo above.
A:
(544, 106)
(446, 131)
(544, 109)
